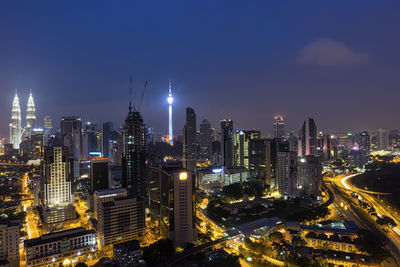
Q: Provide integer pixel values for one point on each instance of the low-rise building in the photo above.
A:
(65, 247)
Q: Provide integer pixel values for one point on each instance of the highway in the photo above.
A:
(352, 211)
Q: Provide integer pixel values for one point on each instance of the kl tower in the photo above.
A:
(170, 100)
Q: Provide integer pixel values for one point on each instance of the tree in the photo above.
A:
(228, 260)
(368, 242)
(232, 192)
(276, 237)
(158, 251)
(298, 242)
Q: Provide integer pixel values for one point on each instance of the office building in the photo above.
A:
(308, 138)
(120, 220)
(279, 127)
(100, 175)
(309, 175)
(65, 248)
(91, 131)
(56, 189)
(260, 160)
(242, 138)
(286, 175)
(127, 254)
(71, 128)
(227, 143)
(9, 246)
(170, 101)
(177, 207)
(189, 141)
(276, 145)
(15, 125)
(106, 195)
(326, 147)
(382, 139)
(205, 141)
(106, 138)
(48, 123)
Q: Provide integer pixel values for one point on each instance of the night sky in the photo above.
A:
(336, 61)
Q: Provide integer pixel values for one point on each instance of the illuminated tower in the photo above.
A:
(170, 100)
(30, 113)
(15, 125)
(279, 127)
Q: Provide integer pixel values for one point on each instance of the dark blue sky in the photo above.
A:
(336, 61)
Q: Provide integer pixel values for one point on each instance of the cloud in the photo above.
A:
(327, 52)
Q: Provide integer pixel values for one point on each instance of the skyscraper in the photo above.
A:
(71, 129)
(227, 143)
(56, 189)
(308, 138)
(242, 139)
(30, 114)
(189, 141)
(286, 172)
(106, 137)
(15, 125)
(309, 175)
(177, 205)
(170, 100)
(279, 124)
(134, 146)
(382, 139)
(205, 140)
(48, 123)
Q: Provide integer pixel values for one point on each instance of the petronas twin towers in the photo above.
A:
(16, 130)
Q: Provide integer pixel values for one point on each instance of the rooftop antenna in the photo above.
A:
(130, 96)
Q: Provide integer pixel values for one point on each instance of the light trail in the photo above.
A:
(344, 180)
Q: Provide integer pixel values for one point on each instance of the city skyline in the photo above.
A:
(260, 63)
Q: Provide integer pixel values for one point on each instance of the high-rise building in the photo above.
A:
(48, 123)
(205, 141)
(91, 131)
(189, 141)
(100, 175)
(242, 139)
(56, 189)
(382, 139)
(170, 100)
(134, 153)
(277, 146)
(15, 125)
(286, 175)
(227, 143)
(177, 206)
(308, 138)
(309, 175)
(279, 124)
(364, 143)
(106, 195)
(106, 138)
(260, 160)
(30, 114)
(71, 129)
(326, 147)
(9, 238)
(120, 220)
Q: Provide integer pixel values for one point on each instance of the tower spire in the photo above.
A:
(130, 95)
